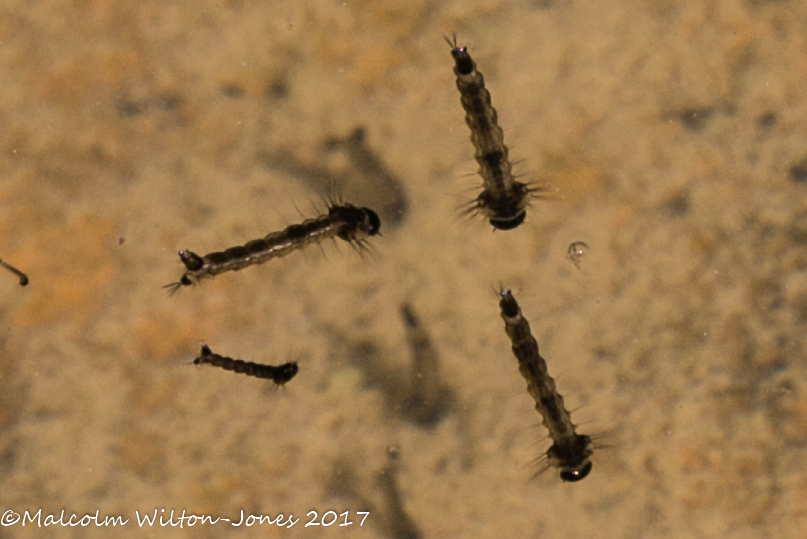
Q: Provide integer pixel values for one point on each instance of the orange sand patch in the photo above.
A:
(623, 216)
(217, 494)
(149, 396)
(163, 336)
(143, 453)
(737, 484)
(372, 69)
(573, 180)
(71, 267)
(70, 86)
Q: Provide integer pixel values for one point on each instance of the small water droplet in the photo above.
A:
(577, 251)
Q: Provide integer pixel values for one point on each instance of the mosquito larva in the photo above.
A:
(570, 452)
(344, 221)
(20, 275)
(503, 200)
(280, 375)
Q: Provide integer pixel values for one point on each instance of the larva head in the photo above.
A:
(505, 209)
(372, 224)
(508, 305)
(508, 223)
(205, 354)
(571, 476)
(463, 65)
(354, 223)
(572, 458)
(192, 261)
(284, 373)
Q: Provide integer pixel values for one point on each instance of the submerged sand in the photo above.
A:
(669, 138)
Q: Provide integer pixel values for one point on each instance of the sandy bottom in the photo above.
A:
(670, 138)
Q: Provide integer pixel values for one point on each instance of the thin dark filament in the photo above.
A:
(23, 277)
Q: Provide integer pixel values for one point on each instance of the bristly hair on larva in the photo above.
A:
(344, 221)
(503, 200)
(280, 375)
(570, 453)
(371, 176)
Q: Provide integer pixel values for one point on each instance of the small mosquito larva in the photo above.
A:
(280, 375)
(570, 452)
(429, 399)
(22, 277)
(343, 221)
(503, 200)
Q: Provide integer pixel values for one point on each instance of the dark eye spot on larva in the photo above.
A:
(372, 224)
(191, 260)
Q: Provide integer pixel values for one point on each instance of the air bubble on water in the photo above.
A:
(577, 252)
